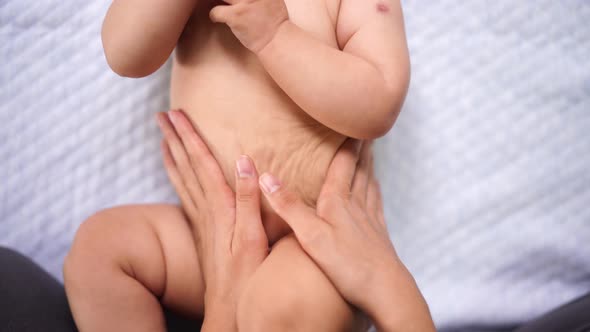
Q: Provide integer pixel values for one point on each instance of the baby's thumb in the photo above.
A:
(220, 14)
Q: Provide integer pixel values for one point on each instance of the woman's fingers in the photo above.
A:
(180, 159)
(373, 204)
(361, 177)
(374, 199)
(203, 163)
(341, 171)
(380, 215)
(309, 229)
(176, 180)
(375, 191)
(249, 235)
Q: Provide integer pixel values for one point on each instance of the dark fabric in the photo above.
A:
(30, 299)
(571, 317)
(480, 328)
(33, 301)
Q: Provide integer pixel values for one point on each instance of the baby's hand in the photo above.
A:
(253, 22)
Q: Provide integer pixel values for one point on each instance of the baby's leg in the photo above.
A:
(125, 262)
(290, 293)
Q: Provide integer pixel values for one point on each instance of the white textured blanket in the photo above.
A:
(486, 174)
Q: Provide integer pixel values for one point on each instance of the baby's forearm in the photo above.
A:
(139, 35)
(344, 92)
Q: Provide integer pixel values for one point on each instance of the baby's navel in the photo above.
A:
(382, 7)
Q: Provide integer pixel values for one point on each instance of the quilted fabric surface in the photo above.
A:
(486, 174)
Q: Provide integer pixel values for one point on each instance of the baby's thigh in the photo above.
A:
(152, 244)
(290, 293)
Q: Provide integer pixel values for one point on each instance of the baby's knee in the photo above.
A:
(271, 308)
(93, 248)
(290, 293)
(108, 245)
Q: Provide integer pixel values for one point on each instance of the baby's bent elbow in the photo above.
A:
(388, 106)
(123, 58)
(122, 64)
(382, 118)
(380, 128)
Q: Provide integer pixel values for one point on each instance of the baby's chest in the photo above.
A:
(317, 17)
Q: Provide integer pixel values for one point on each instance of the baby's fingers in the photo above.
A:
(221, 13)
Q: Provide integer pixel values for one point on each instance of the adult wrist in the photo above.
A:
(381, 291)
(395, 303)
(219, 316)
(219, 319)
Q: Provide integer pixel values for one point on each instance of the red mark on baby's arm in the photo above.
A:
(382, 7)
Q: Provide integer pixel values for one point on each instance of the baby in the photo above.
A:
(283, 81)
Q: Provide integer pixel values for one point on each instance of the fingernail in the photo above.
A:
(173, 117)
(245, 167)
(269, 183)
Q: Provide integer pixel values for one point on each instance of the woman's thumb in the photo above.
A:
(289, 206)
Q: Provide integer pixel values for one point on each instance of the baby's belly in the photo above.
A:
(238, 112)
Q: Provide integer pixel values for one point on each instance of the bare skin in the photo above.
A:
(266, 304)
(346, 236)
(285, 90)
(284, 81)
(127, 262)
(230, 237)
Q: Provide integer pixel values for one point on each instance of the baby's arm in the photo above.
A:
(139, 35)
(358, 90)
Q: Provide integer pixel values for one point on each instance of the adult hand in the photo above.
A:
(347, 237)
(227, 227)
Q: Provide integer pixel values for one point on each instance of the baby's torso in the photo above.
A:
(238, 109)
